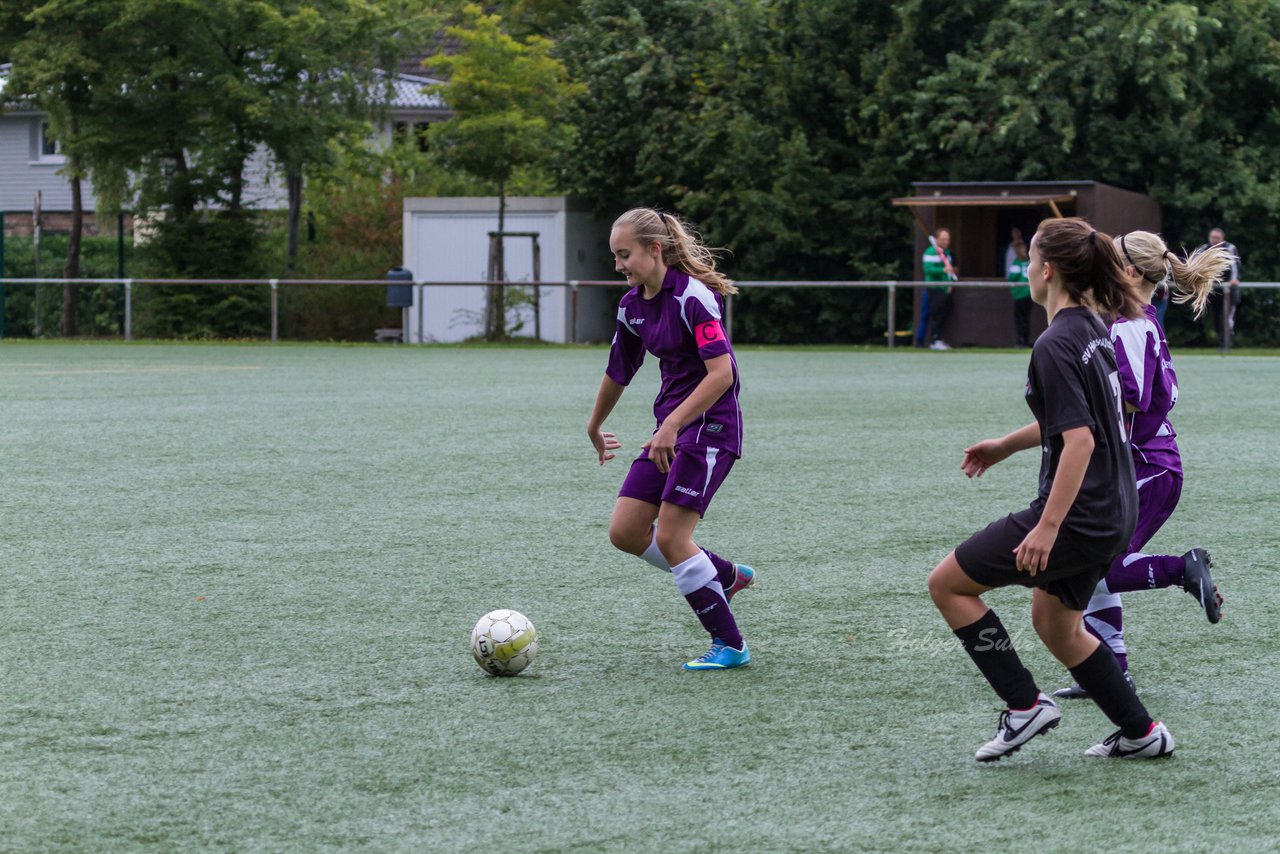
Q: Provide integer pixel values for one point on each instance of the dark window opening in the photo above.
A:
(419, 131)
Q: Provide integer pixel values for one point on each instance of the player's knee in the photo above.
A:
(1058, 635)
(1042, 626)
(939, 589)
(629, 538)
(672, 543)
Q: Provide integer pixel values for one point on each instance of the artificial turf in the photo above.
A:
(241, 580)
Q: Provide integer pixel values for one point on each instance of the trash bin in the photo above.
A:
(400, 295)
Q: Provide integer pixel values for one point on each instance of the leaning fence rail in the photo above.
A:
(889, 286)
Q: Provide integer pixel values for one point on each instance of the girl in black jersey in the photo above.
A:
(1084, 512)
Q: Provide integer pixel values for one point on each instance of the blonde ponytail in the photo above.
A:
(681, 246)
(1191, 280)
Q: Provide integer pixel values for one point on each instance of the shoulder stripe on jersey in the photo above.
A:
(702, 294)
(1132, 337)
(622, 319)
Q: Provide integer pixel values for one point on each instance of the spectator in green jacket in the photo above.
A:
(939, 266)
(1016, 271)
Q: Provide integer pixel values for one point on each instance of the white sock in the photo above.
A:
(653, 554)
(694, 573)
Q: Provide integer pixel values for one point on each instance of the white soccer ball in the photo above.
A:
(504, 642)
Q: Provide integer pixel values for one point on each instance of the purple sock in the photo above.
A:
(1114, 618)
(1088, 627)
(1145, 572)
(713, 612)
(726, 572)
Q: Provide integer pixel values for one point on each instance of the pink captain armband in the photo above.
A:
(708, 333)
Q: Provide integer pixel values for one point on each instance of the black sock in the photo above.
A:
(989, 646)
(1100, 675)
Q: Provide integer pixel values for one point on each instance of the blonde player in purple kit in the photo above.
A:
(1149, 387)
(674, 311)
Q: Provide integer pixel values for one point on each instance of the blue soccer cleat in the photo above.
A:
(743, 577)
(720, 657)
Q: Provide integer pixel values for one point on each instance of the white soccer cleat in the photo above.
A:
(1156, 743)
(1017, 727)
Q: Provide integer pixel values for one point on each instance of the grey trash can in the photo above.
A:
(400, 295)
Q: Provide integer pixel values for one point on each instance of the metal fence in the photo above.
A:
(890, 287)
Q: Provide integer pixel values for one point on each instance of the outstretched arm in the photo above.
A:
(606, 399)
(982, 456)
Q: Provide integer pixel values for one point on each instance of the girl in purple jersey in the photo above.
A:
(1150, 390)
(674, 311)
(1083, 514)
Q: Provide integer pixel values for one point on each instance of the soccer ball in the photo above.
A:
(504, 642)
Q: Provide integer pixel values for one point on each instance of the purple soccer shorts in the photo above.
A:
(695, 475)
(1158, 492)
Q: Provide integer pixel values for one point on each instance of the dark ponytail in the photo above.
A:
(1088, 266)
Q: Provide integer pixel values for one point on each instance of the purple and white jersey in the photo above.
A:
(681, 326)
(1149, 385)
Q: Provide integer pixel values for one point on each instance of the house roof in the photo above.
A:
(440, 43)
(5, 67)
(406, 91)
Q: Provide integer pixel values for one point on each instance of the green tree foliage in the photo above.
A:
(65, 59)
(165, 103)
(100, 308)
(508, 100)
(783, 127)
(719, 110)
(537, 17)
(1164, 98)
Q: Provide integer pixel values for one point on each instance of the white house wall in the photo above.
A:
(454, 247)
(447, 240)
(21, 173)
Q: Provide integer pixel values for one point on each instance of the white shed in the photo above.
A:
(447, 240)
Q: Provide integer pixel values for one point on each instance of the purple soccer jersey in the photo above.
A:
(1149, 384)
(682, 327)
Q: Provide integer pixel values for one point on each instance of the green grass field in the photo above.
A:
(241, 580)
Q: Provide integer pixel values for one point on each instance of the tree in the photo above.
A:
(748, 117)
(508, 100)
(783, 132)
(1163, 98)
(325, 77)
(63, 55)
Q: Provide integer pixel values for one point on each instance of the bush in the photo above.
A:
(206, 245)
(99, 308)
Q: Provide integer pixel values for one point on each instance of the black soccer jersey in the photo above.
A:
(1073, 382)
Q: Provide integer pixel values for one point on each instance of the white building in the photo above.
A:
(447, 240)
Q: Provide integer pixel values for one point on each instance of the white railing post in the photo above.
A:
(893, 331)
(275, 309)
(128, 309)
(573, 311)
